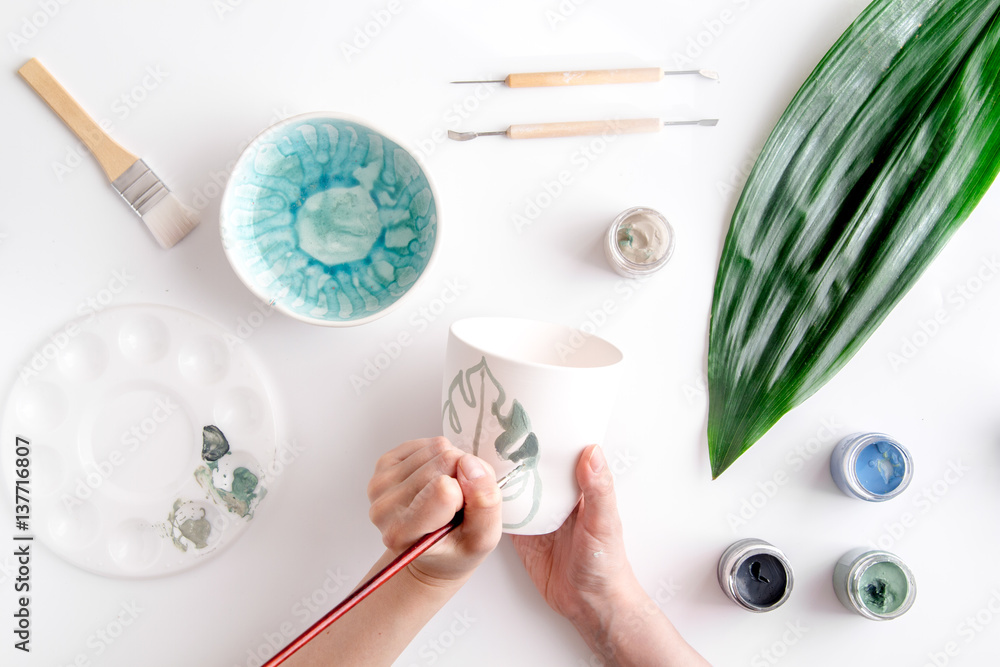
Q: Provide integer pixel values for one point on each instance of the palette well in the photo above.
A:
(151, 437)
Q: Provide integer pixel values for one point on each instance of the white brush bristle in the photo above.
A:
(170, 220)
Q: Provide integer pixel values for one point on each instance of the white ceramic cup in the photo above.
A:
(518, 390)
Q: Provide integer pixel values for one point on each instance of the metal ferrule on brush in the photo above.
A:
(140, 187)
(503, 481)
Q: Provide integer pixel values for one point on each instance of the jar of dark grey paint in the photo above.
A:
(755, 575)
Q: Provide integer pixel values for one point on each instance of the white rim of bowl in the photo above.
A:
(336, 115)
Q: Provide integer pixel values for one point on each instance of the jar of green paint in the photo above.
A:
(874, 584)
(639, 242)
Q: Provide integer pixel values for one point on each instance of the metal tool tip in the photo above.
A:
(704, 122)
(709, 74)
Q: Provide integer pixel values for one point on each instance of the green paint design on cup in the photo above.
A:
(475, 394)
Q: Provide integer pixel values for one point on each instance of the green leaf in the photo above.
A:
(882, 154)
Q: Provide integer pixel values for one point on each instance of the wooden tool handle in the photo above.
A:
(583, 128)
(585, 77)
(113, 158)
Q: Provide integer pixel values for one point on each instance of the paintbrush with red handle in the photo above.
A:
(369, 587)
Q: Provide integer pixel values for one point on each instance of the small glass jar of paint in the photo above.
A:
(755, 575)
(639, 242)
(875, 584)
(871, 466)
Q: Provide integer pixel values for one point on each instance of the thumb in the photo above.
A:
(482, 526)
(599, 512)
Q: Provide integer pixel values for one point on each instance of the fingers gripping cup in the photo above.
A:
(518, 391)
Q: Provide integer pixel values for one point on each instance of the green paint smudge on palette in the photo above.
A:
(244, 486)
(239, 496)
(213, 443)
(196, 529)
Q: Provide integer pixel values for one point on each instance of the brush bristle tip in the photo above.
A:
(170, 221)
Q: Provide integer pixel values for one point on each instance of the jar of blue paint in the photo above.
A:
(871, 466)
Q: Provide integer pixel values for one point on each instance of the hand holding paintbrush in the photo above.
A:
(581, 569)
(416, 488)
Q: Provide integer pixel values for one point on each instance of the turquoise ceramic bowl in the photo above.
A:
(329, 220)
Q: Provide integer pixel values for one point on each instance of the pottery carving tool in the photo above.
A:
(581, 128)
(367, 588)
(593, 77)
(165, 216)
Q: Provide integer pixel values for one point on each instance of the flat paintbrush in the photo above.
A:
(368, 587)
(167, 218)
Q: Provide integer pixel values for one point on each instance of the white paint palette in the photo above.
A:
(114, 409)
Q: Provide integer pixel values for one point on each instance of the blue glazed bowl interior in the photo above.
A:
(328, 220)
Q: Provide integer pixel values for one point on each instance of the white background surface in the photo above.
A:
(225, 75)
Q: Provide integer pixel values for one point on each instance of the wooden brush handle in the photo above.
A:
(583, 128)
(113, 158)
(585, 77)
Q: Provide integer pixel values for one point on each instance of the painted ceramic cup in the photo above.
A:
(518, 391)
(328, 220)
